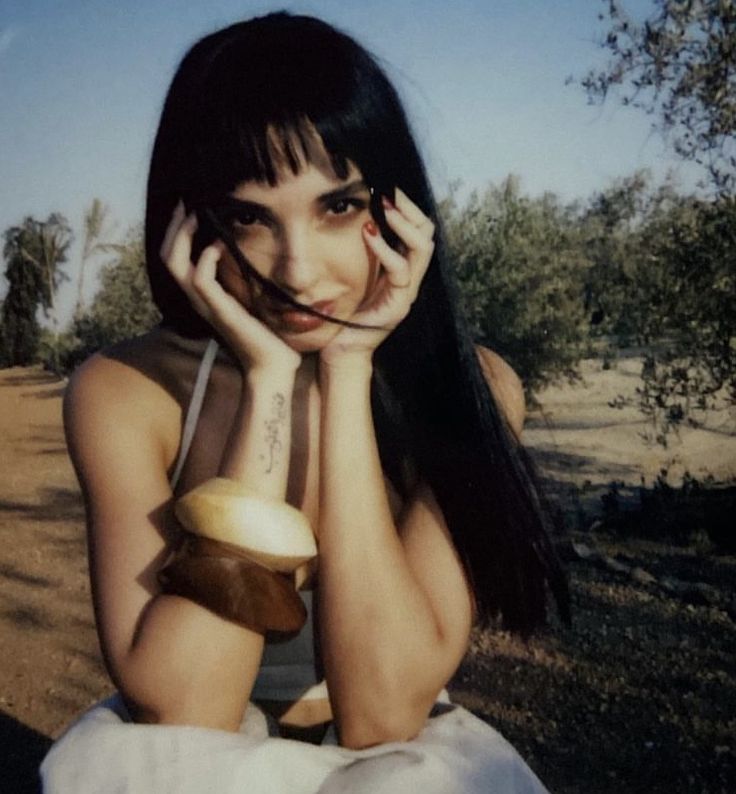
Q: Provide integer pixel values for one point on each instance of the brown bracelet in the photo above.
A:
(222, 578)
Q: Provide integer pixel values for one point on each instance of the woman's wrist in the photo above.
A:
(352, 363)
(258, 449)
(262, 379)
(281, 366)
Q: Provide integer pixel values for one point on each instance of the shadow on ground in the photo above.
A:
(23, 750)
(31, 377)
(54, 505)
(637, 696)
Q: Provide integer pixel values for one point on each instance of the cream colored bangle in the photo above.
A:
(271, 532)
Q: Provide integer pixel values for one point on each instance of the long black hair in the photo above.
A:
(243, 105)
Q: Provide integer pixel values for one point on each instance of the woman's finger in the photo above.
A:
(396, 266)
(414, 237)
(410, 210)
(179, 259)
(207, 289)
(176, 220)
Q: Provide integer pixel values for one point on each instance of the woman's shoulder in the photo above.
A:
(155, 362)
(141, 384)
(126, 368)
(506, 387)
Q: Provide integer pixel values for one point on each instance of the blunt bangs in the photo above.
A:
(256, 114)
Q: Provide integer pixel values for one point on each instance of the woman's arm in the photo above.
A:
(395, 609)
(173, 660)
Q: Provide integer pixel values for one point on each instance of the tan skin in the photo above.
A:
(395, 607)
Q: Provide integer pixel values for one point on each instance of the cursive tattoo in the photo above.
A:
(274, 427)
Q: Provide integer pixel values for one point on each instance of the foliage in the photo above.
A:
(679, 65)
(697, 316)
(612, 225)
(521, 273)
(122, 307)
(33, 252)
(664, 276)
(95, 230)
(680, 514)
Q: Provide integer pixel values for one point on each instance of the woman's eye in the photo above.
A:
(345, 205)
(246, 219)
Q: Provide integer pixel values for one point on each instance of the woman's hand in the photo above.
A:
(252, 343)
(397, 286)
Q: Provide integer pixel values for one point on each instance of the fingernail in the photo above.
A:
(371, 228)
(387, 204)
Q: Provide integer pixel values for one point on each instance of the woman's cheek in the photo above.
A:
(233, 282)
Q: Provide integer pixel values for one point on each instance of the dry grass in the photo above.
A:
(639, 695)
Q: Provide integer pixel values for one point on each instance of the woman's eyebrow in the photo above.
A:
(344, 191)
(230, 202)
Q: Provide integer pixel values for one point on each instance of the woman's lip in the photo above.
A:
(297, 321)
(323, 307)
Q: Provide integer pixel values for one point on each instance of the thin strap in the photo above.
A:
(195, 407)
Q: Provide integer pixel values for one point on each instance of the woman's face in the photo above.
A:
(304, 235)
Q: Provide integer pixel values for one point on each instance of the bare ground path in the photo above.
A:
(49, 660)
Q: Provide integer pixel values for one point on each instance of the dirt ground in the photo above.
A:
(49, 660)
(50, 668)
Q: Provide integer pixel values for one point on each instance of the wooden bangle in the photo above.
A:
(224, 580)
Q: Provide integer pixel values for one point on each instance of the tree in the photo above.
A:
(664, 276)
(521, 272)
(695, 313)
(680, 66)
(625, 284)
(94, 226)
(122, 307)
(34, 252)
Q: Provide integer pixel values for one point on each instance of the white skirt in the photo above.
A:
(105, 753)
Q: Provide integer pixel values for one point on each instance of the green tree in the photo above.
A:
(95, 229)
(680, 66)
(664, 275)
(625, 283)
(34, 252)
(122, 307)
(521, 272)
(693, 313)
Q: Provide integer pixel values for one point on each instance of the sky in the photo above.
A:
(82, 83)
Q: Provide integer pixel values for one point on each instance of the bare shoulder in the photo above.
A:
(506, 387)
(130, 390)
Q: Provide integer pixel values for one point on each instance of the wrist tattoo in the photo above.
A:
(274, 431)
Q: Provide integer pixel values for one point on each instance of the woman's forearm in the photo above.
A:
(186, 664)
(377, 623)
(259, 446)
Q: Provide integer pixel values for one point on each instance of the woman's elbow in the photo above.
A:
(360, 731)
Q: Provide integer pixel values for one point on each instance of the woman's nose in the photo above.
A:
(297, 267)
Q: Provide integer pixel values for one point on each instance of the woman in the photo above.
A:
(310, 355)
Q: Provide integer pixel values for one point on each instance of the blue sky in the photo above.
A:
(82, 83)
